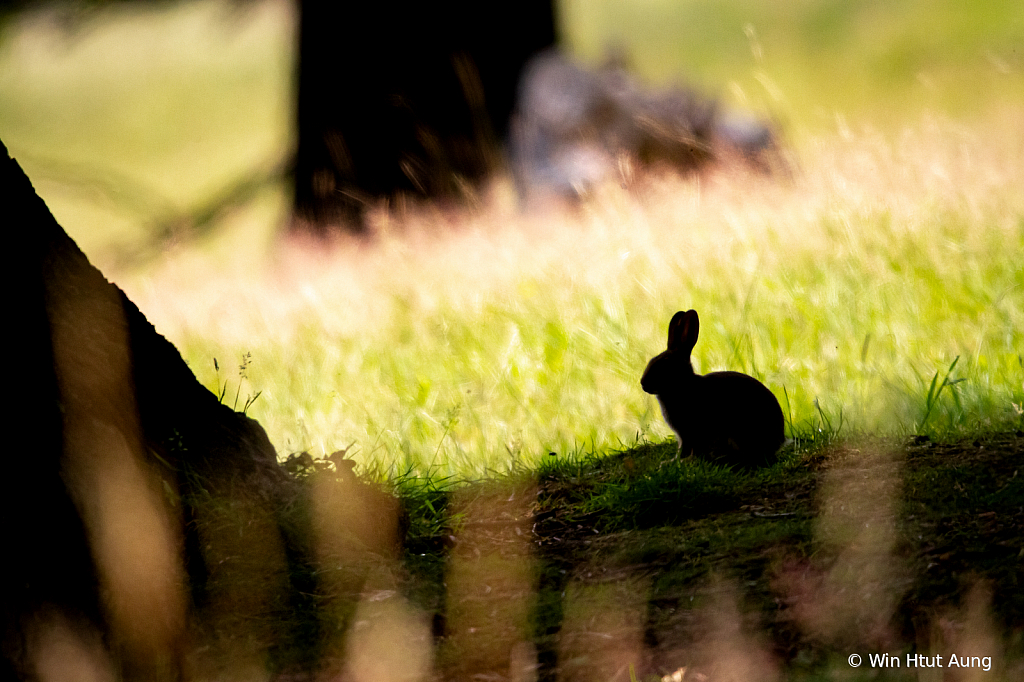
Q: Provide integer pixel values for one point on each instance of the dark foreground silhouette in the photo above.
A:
(129, 489)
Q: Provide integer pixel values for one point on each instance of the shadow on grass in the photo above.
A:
(635, 563)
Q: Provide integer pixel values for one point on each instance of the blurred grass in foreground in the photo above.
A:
(468, 340)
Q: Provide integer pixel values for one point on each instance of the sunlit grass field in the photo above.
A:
(470, 340)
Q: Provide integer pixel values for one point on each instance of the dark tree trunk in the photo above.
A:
(404, 97)
(123, 475)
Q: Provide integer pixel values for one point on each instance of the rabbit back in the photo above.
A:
(728, 416)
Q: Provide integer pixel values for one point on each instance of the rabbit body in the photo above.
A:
(727, 416)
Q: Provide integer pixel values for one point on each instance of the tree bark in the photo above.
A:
(123, 474)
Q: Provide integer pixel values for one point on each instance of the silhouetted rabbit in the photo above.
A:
(722, 415)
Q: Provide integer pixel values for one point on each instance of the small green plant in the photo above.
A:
(935, 389)
(1018, 408)
(813, 434)
(789, 411)
(829, 432)
(243, 374)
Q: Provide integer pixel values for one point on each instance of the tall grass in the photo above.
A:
(462, 341)
(478, 338)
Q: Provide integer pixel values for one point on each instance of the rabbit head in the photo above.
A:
(672, 368)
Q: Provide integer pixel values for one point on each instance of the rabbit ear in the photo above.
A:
(683, 330)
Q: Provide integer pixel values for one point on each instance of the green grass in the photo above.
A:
(847, 313)
(467, 342)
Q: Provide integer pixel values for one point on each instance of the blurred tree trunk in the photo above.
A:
(404, 97)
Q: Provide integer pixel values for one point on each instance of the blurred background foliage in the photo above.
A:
(807, 61)
(137, 114)
(846, 287)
